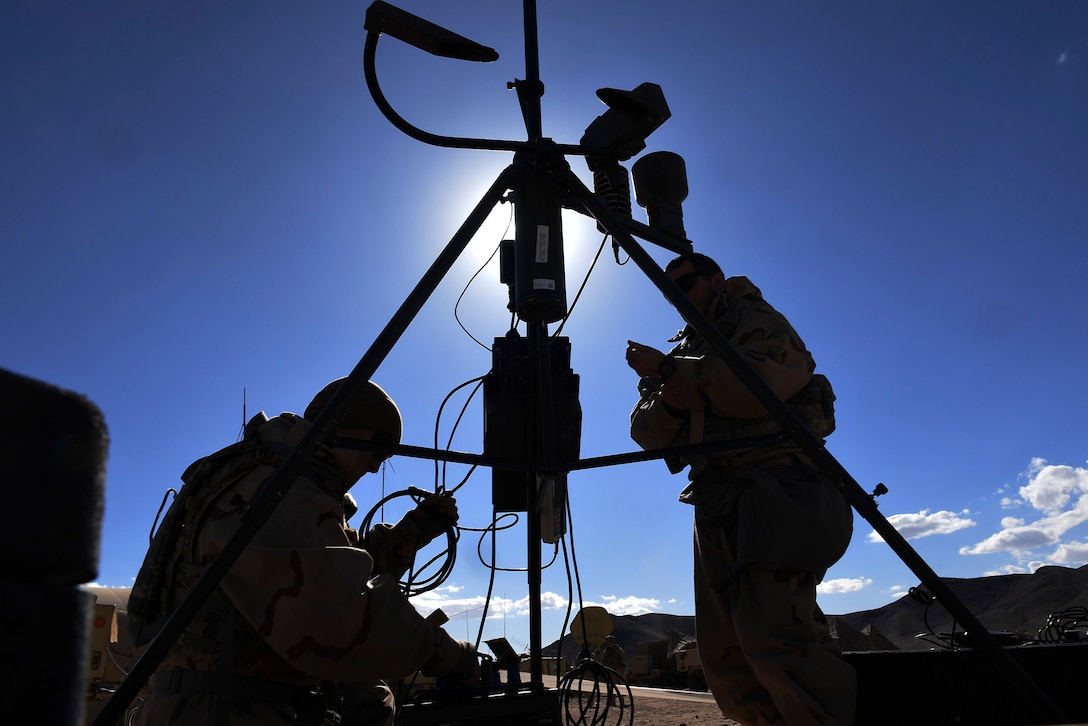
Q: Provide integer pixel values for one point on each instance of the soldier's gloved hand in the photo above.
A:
(434, 515)
(350, 506)
(467, 673)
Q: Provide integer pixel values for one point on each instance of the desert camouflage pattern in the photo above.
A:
(723, 407)
(764, 644)
(768, 523)
(301, 605)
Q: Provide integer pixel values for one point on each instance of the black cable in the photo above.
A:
(567, 557)
(490, 577)
(577, 574)
(476, 274)
(570, 603)
(944, 641)
(410, 585)
(1059, 625)
(593, 693)
(590, 692)
(581, 288)
(439, 474)
(494, 526)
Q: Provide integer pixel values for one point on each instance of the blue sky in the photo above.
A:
(202, 206)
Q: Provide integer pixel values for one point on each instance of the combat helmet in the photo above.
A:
(372, 408)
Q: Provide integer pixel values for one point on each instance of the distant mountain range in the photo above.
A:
(1019, 605)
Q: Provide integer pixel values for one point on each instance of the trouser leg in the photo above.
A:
(728, 674)
(785, 639)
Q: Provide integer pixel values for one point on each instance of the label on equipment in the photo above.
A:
(542, 233)
(543, 284)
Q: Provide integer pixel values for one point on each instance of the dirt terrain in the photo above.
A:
(654, 707)
(669, 712)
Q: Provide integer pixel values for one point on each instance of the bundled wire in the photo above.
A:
(414, 582)
(1061, 625)
(944, 641)
(591, 693)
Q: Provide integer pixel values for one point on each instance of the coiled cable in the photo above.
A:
(414, 583)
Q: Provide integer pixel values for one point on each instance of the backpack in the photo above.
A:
(815, 405)
(150, 602)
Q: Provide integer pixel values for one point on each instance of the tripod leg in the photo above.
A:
(404, 315)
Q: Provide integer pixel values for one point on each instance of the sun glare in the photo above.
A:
(474, 283)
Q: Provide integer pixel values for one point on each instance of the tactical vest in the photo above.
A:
(813, 404)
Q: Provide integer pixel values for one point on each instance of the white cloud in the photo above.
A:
(472, 607)
(1070, 553)
(1011, 539)
(1060, 495)
(923, 524)
(1062, 57)
(548, 601)
(843, 584)
(1051, 488)
(454, 607)
(629, 605)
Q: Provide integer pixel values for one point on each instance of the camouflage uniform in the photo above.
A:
(300, 606)
(768, 523)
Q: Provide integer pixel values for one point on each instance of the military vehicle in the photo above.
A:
(111, 653)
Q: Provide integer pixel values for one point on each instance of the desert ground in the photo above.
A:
(657, 711)
(658, 707)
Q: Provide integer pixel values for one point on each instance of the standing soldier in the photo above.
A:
(612, 655)
(305, 603)
(768, 522)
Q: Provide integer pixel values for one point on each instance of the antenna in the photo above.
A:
(245, 419)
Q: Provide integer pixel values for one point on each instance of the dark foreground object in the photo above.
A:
(53, 447)
(521, 708)
(966, 686)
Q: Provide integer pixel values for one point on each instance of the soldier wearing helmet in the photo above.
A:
(307, 602)
(613, 656)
